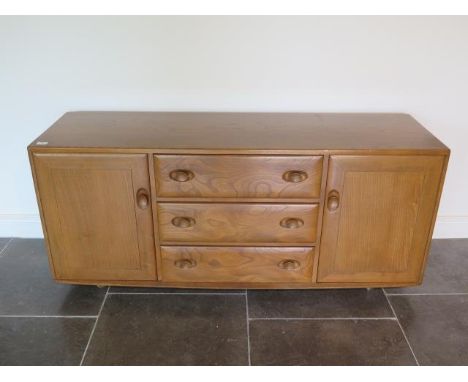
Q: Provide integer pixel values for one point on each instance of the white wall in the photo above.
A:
(50, 65)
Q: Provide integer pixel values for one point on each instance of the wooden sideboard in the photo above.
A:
(238, 200)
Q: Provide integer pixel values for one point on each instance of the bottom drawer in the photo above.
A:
(237, 264)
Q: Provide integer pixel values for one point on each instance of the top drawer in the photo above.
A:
(238, 176)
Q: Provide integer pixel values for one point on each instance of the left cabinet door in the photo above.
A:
(97, 213)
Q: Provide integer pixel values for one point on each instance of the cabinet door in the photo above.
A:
(378, 215)
(97, 213)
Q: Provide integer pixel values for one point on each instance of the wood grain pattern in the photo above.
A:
(238, 176)
(95, 228)
(238, 131)
(237, 264)
(239, 223)
(378, 229)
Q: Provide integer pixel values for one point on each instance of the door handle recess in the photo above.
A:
(333, 200)
(142, 198)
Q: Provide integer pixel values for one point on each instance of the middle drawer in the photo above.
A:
(237, 223)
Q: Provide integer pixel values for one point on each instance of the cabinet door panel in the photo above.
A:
(96, 230)
(377, 217)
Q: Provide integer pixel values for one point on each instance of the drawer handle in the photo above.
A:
(142, 198)
(333, 200)
(185, 263)
(295, 176)
(289, 264)
(291, 223)
(181, 175)
(183, 222)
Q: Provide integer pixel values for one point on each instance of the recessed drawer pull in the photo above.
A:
(185, 263)
(295, 176)
(183, 222)
(181, 175)
(291, 223)
(289, 264)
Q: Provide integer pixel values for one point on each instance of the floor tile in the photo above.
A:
(436, 327)
(170, 330)
(173, 290)
(446, 269)
(318, 303)
(43, 341)
(27, 288)
(328, 342)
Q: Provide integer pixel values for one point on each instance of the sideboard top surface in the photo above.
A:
(238, 131)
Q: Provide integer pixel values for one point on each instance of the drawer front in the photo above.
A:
(237, 223)
(241, 264)
(237, 176)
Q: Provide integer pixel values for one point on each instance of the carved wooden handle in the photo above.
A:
(183, 222)
(181, 175)
(333, 200)
(142, 198)
(289, 264)
(291, 223)
(185, 263)
(295, 176)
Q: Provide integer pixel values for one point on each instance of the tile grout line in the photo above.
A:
(181, 293)
(94, 326)
(7, 244)
(321, 318)
(38, 316)
(401, 328)
(427, 294)
(247, 323)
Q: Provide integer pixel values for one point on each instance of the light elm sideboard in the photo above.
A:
(238, 200)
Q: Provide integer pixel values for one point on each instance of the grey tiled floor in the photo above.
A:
(45, 323)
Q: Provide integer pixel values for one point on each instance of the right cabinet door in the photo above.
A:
(378, 215)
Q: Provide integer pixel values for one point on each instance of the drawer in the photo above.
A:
(237, 264)
(238, 176)
(237, 223)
